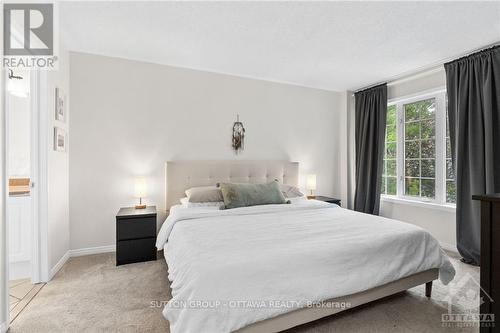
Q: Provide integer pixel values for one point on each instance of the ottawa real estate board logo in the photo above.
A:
(28, 36)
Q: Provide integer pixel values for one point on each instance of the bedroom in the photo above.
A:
(347, 110)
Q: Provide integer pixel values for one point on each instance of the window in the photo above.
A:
(389, 175)
(417, 156)
(420, 148)
(451, 196)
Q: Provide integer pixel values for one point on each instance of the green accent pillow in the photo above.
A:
(242, 195)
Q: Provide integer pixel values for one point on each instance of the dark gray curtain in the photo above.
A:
(370, 118)
(473, 88)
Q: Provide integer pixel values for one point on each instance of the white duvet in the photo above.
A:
(231, 268)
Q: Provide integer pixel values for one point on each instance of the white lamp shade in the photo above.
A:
(311, 182)
(140, 188)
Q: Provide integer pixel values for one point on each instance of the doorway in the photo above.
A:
(21, 170)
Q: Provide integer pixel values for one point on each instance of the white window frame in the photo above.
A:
(440, 160)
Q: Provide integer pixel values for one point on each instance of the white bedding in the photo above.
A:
(280, 257)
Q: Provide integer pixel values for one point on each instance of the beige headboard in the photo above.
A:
(181, 175)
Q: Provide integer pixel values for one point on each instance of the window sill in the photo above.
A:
(430, 205)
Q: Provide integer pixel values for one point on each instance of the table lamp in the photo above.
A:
(140, 192)
(311, 185)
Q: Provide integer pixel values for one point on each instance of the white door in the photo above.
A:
(19, 219)
(19, 200)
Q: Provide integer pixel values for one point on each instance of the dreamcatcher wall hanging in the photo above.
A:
(238, 136)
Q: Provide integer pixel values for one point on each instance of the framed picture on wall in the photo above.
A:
(59, 139)
(60, 106)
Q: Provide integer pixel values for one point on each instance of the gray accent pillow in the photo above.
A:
(243, 195)
(204, 194)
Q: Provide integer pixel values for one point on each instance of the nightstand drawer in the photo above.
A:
(134, 228)
(137, 250)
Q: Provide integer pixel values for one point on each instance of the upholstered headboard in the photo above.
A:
(181, 175)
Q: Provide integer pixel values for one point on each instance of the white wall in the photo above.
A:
(440, 222)
(347, 150)
(57, 168)
(129, 117)
(436, 79)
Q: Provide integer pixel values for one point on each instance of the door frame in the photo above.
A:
(4, 264)
(39, 162)
(36, 238)
(39, 189)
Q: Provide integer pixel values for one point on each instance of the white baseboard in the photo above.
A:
(78, 253)
(59, 265)
(92, 250)
(448, 247)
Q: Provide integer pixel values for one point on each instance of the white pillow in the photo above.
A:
(204, 194)
(216, 204)
(290, 191)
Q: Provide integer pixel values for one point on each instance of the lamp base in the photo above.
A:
(311, 197)
(140, 206)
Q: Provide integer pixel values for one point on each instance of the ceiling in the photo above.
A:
(328, 45)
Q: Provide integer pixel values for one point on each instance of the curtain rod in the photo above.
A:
(487, 49)
(426, 70)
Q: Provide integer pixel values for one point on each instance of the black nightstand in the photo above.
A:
(135, 235)
(326, 199)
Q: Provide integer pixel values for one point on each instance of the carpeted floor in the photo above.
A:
(91, 294)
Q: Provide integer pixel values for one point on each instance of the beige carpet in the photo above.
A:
(91, 294)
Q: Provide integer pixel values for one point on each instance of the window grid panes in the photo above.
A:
(417, 155)
(451, 195)
(389, 174)
(420, 149)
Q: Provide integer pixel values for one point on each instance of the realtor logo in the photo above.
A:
(465, 295)
(34, 25)
(28, 35)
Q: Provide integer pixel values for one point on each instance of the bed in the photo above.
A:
(272, 267)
